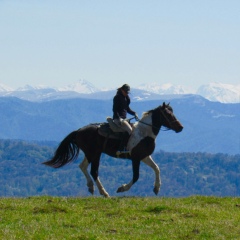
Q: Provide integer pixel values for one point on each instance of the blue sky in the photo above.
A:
(108, 43)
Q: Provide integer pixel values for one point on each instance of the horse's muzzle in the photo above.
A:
(178, 127)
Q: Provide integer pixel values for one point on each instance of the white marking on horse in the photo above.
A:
(83, 166)
(141, 130)
(149, 161)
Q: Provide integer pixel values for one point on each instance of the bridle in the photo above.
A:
(169, 122)
(149, 124)
(158, 128)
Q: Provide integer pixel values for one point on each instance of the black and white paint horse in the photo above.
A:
(142, 144)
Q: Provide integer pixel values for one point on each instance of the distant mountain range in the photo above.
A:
(216, 92)
(210, 127)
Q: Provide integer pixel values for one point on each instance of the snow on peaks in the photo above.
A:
(166, 88)
(26, 88)
(81, 86)
(4, 88)
(220, 92)
(217, 92)
(33, 88)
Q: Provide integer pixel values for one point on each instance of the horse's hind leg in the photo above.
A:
(94, 173)
(149, 161)
(83, 166)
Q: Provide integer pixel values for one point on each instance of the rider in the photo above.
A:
(121, 102)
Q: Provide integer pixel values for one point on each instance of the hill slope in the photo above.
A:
(120, 218)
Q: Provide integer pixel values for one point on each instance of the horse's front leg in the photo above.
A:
(101, 189)
(149, 161)
(135, 168)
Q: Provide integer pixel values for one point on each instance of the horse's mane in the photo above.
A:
(145, 114)
(155, 120)
(150, 111)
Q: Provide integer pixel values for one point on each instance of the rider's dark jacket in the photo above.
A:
(121, 106)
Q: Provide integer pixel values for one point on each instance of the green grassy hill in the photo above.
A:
(194, 217)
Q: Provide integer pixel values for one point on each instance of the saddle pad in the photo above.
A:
(105, 130)
(113, 125)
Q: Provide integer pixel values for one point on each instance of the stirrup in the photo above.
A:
(118, 153)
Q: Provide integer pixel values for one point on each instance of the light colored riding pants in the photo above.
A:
(124, 125)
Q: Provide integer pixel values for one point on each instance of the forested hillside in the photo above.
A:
(182, 174)
(208, 126)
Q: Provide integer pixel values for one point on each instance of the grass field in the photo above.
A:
(195, 217)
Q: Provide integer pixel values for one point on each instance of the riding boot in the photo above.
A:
(123, 144)
(125, 139)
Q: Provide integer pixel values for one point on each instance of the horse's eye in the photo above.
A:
(168, 111)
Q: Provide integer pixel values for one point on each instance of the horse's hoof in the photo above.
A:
(156, 190)
(120, 189)
(91, 190)
(105, 194)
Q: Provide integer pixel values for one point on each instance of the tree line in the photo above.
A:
(182, 174)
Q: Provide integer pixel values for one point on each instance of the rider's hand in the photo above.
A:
(136, 116)
(121, 120)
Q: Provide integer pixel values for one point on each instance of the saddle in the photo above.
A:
(110, 129)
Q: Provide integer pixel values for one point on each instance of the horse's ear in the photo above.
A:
(168, 104)
(164, 105)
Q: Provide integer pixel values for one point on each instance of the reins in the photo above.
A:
(170, 122)
(148, 124)
(138, 120)
(159, 128)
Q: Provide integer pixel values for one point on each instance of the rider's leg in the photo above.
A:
(127, 129)
(130, 139)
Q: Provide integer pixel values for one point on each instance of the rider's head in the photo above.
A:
(125, 88)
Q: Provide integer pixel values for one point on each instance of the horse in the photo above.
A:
(93, 144)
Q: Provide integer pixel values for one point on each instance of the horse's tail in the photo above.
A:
(66, 152)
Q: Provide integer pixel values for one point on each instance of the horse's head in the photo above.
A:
(162, 116)
(168, 119)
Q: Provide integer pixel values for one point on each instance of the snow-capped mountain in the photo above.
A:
(216, 92)
(166, 88)
(81, 86)
(4, 88)
(219, 92)
(31, 88)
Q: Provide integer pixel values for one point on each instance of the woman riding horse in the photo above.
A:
(121, 102)
(93, 145)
